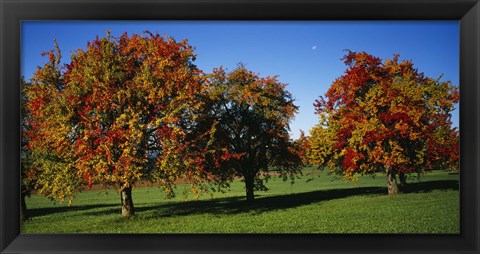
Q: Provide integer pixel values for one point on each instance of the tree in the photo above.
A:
(119, 112)
(251, 118)
(385, 117)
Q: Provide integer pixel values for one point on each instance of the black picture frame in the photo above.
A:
(14, 11)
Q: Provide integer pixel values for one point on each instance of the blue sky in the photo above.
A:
(304, 54)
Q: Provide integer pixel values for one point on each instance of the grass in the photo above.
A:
(327, 204)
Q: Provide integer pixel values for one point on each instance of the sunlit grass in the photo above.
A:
(325, 205)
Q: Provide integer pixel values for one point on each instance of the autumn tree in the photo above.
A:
(120, 111)
(251, 116)
(385, 117)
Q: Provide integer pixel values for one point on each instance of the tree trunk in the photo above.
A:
(127, 202)
(249, 183)
(23, 208)
(391, 182)
(403, 181)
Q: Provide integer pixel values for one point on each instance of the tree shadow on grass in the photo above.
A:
(235, 205)
(423, 187)
(259, 205)
(36, 212)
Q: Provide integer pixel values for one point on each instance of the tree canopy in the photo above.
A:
(385, 117)
(251, 116)
(119, 112)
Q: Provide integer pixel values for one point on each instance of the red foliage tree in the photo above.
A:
(121, 111)
(387, 117)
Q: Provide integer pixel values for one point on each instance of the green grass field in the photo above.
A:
(327, 204)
